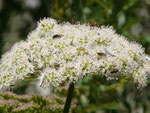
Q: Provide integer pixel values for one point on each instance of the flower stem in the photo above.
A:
(69, 98)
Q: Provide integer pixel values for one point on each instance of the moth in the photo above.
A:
(108, 52)
(41, 79)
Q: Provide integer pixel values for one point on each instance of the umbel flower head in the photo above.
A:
(66, 52)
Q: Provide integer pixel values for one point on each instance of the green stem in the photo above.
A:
(69, 98)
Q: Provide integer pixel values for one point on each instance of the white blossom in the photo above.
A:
(66, 52)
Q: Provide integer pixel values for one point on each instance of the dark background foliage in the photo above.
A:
(93, 95)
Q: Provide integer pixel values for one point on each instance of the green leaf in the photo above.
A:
(106, 106)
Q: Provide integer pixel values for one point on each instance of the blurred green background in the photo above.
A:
(130, 18)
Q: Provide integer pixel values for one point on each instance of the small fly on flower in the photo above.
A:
(101, 54)
(114, 71)
(94, 24)
(57, 36)
(59, 22)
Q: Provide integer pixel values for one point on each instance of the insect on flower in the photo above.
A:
(41, 79)
(57, 36)
(59, 22)
(108, 52)
(114, 71)
(29, 60)
(94, 24)
(101, 54)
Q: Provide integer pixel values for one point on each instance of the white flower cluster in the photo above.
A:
(66, 52)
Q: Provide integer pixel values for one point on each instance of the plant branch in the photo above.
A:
(69, 98)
